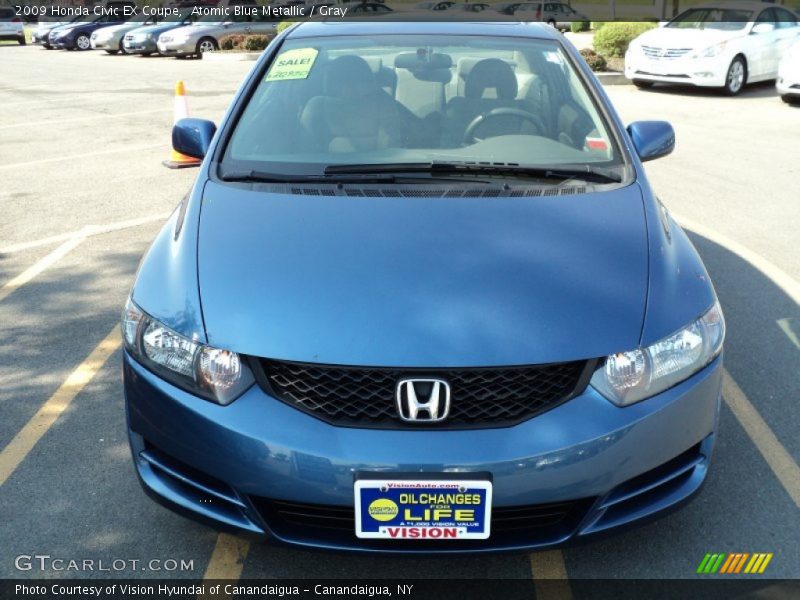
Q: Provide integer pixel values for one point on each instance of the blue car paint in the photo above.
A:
(587, 445)
(76, 29)
(376, 283)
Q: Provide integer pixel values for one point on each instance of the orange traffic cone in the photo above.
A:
(176, 159)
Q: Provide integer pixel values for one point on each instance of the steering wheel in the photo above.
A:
(535, 120)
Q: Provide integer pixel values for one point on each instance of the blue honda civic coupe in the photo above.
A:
(422, 298)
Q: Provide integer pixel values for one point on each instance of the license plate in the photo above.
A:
(424, 509)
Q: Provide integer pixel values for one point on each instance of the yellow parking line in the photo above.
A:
(32, 271)
(779, 277)
(122, 148)
(86, 118)
(22, 443)
(778, 458)
(550, 575)
(227, 559)
(87, 231)
(786, 327)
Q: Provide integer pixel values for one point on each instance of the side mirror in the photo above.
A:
(192, 137)
(652, 139)
(760, 28)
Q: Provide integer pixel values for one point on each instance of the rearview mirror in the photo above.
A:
(652, 139)
(760, 28)
(192, 137)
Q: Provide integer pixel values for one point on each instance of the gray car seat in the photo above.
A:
(489, 84)
(354, 114)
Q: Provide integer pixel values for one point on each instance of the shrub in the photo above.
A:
(578, 26)
(598, 25)
(593, 59)
(283, 25)
(256, 42)
(613, 38)
(232, 42)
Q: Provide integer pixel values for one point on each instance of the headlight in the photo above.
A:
(628, 377)
(212, 373)
(713, 51)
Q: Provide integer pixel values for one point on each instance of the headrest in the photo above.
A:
(421, 60)
(491, 73)
(349, 77)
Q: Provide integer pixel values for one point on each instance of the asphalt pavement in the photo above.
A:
(83, 192)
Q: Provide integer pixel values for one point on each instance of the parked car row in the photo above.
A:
(556, 14)
(724, 45)
(11, 26)
(183, 32)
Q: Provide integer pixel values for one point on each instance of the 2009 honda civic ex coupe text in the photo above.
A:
(422, 298)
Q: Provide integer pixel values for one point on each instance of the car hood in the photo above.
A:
(422, 282)
(670, 37)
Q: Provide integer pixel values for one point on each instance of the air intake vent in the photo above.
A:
(426, 192)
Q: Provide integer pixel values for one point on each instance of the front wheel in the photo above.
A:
(790, 99)
(21, 41)
(736, 77)
(206, 44)
(82, 42)
(642, 84)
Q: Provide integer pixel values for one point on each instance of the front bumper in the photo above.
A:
(65, 43)
(140, 46)
(109, 43)
(703, 72)
(788, 84)
(177, 48)
(234, 467)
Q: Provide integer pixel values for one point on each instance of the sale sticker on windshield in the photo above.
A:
(292, 64)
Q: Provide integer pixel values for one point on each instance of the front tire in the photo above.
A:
(790, 99)
(21, 41)
(82, 42)
(642, 84)
(206, 44)
(736, 78)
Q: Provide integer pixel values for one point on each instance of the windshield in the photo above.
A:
(712, 18)
(418, 99)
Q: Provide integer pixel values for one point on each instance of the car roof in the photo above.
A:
(400, 24)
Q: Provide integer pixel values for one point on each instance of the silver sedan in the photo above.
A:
(205, 34)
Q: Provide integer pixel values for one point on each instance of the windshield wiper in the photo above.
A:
(550, 172)
(354, 176)
(264, 177)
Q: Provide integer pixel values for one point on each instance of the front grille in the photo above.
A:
(480, 397)
(668, 53)
(336, 524)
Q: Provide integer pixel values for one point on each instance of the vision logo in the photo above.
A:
(734, 563)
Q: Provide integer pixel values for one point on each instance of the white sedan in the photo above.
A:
(725, 45)
(788, 84)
